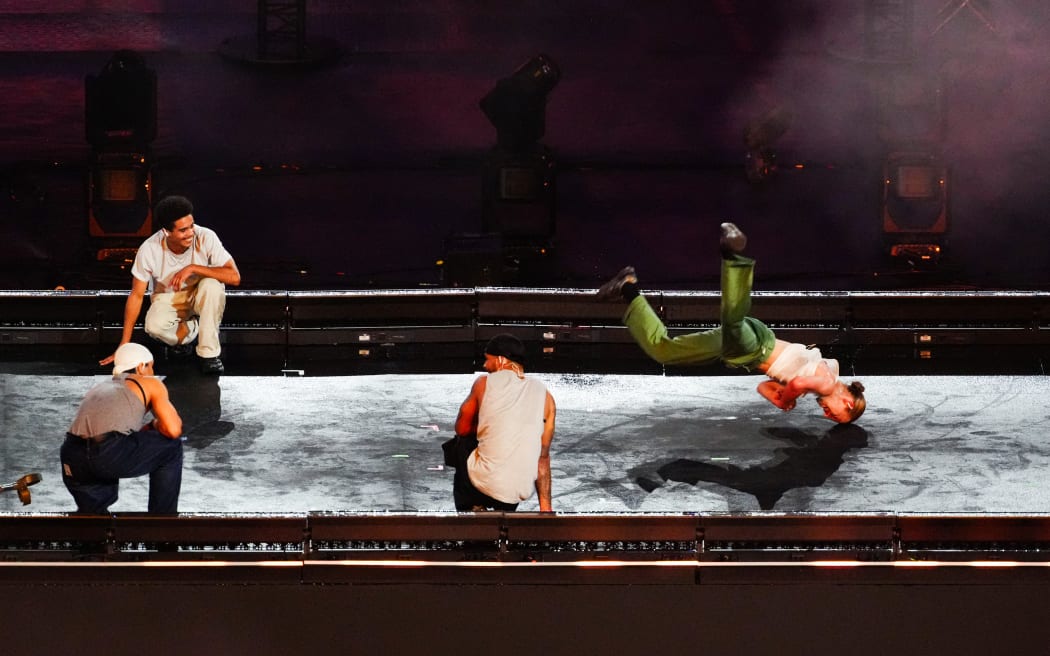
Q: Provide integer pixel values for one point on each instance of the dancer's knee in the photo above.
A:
(210, 288)
(160, 331)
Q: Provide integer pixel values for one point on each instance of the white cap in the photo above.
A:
(130, 356)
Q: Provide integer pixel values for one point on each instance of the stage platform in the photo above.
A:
(624, 443)
(339, 401)
(684, 502)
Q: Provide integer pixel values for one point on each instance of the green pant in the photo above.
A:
(741, 341)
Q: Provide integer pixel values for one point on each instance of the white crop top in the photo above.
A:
(797, 360)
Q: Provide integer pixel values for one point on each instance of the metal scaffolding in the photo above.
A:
(282, 29)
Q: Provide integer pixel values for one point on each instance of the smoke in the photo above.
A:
(967, 81)
(981, 70)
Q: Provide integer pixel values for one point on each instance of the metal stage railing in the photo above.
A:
(496, 537)
(565, 329)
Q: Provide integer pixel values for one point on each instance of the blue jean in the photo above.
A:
(92, 470)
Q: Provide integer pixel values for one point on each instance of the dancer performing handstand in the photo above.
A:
(741, 341)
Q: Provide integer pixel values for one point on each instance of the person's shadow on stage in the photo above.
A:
(197, 398)
(808, 464)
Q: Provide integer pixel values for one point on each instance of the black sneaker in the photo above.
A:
(179, 351)
(732, 242)
(212, 366)
(613, 290)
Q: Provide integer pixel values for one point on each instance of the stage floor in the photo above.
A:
(624, 443)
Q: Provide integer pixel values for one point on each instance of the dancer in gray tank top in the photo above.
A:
(112, 437)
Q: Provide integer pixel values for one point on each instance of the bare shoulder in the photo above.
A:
(152, 385)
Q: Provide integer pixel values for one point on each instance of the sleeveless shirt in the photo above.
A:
(109, 406)
(510, 428)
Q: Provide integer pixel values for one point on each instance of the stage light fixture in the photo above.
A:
(120, 104)
(760, 135)
(915, 211)
(120, 111)
(518, 175)
(119, 196)
(517, 105)
(519, 195)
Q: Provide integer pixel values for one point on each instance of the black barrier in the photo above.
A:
(565, 330)
(497, 537)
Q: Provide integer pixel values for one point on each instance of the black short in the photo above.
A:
(466, 496)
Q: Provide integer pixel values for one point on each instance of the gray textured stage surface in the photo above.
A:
(623, 443)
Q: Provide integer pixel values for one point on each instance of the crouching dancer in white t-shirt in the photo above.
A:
(185, 268)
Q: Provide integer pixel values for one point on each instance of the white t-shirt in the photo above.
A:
(797, 360)
(155, 264)
(510, 432)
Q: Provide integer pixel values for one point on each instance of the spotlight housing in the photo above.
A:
(915, 212)
(120, 104)
(517, 185)
(517, 105)
(120, 112)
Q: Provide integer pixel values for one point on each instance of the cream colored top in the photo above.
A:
(156, 264)
(510, 431)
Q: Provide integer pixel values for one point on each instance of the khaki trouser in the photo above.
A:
(200, 307)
